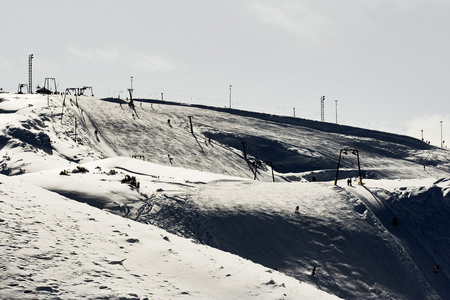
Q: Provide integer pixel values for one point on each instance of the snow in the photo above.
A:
(52, 246)
(200, 224)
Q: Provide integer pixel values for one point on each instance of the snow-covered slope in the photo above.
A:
(55, 248)
(297, 148)
(199, 185)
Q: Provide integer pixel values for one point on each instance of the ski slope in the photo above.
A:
(55, 248)
(198, 186)
(296, 147)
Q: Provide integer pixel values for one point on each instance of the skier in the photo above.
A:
(313, 273)
(296, 210)
(436, 268)
(394, 221)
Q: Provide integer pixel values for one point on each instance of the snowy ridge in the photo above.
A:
(199, 185)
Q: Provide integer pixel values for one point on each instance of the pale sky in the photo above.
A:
(385, 61)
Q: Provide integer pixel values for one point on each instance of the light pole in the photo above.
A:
(336, 110)
(441, 136)
(230, 95)
(322, 108)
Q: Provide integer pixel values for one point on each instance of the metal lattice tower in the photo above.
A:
(322, 108)
(30, 74)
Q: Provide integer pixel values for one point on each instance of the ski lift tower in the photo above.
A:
(47, 84)
(20, 87)
(345, 152)
(131, 91)
(30, 74)
(84, 88)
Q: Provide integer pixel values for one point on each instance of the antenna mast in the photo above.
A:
(30, 74)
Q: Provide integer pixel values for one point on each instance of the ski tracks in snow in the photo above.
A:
(418, 261)
(95, 133)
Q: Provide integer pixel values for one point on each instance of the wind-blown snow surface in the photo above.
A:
(199, 185)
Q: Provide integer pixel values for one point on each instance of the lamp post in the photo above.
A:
(230, 95)
(336, 110)
(322, 108)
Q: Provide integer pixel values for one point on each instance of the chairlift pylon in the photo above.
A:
(20, 87)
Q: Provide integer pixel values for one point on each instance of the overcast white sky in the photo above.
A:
(385, 61)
